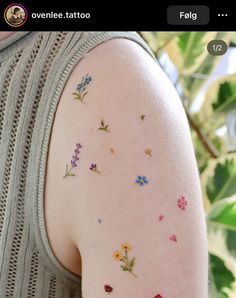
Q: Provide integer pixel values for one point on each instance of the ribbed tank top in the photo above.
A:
(34, 67)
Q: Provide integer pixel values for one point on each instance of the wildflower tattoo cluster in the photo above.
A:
(127, 263)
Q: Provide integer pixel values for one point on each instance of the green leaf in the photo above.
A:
(221, 276)
(191, 45)
(223, 183)
(132, 262)
(226, 98)
(231, 243)
(124, 268)
(200, 152)
(223, 213)
(192, 83)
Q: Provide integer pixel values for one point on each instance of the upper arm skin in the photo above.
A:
(110, 208)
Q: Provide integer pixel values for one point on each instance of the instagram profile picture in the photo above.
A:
(15, 15)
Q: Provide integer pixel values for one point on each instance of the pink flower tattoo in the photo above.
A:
(173, 238)
(182, 203)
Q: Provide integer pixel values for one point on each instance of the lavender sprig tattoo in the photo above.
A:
(73, 162)
(93, 167)
(81, 88)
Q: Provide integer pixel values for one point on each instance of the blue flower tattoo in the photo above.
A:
(141, 180)
(81, 88)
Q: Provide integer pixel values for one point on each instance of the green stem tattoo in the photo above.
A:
(79, 97)
(103, 126)
(68, 172)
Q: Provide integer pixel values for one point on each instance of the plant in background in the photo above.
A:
(216, 155)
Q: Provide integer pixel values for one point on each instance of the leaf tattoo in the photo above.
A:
(103, 126)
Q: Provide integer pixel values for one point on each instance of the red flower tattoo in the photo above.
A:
(182, 203)
(108, 288)
(173, 238)
(158, 296)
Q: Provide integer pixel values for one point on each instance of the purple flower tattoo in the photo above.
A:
(73, 162)
(81, 89)
(93, 167)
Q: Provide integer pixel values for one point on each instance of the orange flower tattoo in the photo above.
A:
(124, 258)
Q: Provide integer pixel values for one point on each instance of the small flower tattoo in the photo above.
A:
(182, 203)
(103, 126)
(93, 167)
(161, 217)
(148, 151)
(73, 162)
(108, 288)
(81, 88)
(127, 264)
(141, 180)
(142, 117)
(173, 238)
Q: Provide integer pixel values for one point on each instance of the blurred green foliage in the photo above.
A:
(217, 163)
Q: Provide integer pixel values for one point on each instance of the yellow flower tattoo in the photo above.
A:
(125, 246)
(117, 255)
(124, 258)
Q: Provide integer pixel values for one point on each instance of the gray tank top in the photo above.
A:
(34, 67)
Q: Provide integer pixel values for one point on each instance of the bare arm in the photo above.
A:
(135, 204)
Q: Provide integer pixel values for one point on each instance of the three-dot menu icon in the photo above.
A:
(222, 14)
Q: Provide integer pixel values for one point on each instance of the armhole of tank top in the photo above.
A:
(89, 41)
